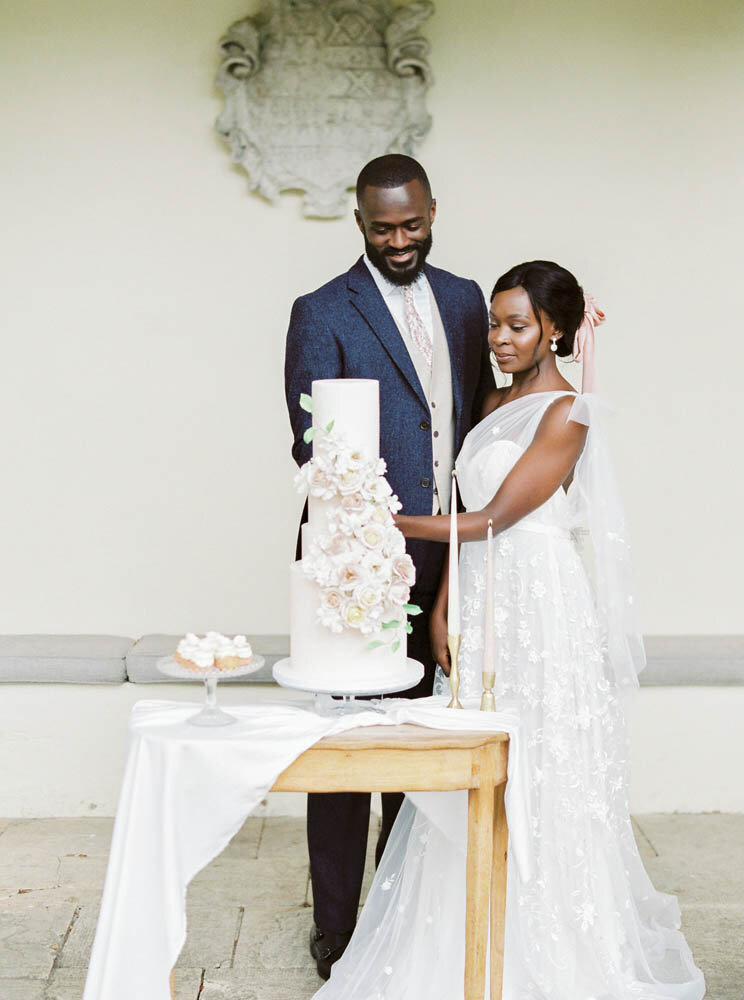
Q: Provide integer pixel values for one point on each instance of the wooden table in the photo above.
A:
(410, 759)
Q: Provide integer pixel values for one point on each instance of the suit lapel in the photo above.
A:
(452, 323)
(365, 297)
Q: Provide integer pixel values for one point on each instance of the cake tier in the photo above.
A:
(333, 660)
(353, 404)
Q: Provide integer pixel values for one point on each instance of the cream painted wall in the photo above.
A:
(147, 480)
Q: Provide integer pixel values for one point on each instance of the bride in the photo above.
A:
(588, 924)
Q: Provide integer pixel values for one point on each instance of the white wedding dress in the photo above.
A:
(588, 924)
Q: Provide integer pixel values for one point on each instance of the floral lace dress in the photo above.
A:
(588, 924)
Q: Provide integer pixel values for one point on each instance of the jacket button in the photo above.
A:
(424, 425)
(426, 483)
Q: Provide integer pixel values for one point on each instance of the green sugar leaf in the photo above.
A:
(409, 628)
(412, 609)
(375, 644)
(329, 428)
(309, 434)
(392, 624)
(306, 402)
(396, 646)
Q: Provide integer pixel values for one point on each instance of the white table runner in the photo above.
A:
(186, 793)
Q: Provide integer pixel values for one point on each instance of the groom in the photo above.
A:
(421, 332)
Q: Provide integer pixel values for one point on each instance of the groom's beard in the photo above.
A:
(385, 262)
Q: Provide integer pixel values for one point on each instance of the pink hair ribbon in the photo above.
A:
(584, 341)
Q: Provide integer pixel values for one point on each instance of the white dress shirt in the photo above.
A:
(393, 296)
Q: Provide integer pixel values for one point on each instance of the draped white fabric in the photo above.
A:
(589, 925)
(188, 790)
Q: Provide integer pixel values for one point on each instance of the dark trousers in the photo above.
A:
(338, 822)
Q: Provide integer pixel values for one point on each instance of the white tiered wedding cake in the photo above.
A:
(349, 593)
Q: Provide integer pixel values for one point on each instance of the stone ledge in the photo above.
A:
(63, 659)
(693, 660)
(675, 660)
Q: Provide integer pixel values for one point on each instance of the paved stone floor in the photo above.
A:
(249, 911)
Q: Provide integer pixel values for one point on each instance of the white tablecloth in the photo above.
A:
(187, 792)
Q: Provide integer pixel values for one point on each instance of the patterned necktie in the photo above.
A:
(416, 326)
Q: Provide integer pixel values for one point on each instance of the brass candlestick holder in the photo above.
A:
(488, 702)
(453, 644)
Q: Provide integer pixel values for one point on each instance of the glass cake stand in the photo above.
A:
(211, 714)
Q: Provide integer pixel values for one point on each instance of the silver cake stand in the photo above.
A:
(211, 714)
(408, 677)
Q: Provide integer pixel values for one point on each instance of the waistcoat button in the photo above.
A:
(424, 425)
(426, 483)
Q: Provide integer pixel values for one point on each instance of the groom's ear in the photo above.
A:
(432, 210)
(358, 217)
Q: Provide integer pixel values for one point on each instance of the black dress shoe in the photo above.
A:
(326, 948)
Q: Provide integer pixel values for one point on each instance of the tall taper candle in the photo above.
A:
(453, 602)
(488, 703)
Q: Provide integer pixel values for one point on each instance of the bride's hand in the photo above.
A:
(438, 638)
(399, 520)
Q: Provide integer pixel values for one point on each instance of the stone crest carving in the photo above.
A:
(315, 88)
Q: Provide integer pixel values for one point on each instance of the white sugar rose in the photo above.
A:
(404, 569)
(339, 545)
(321, 485)
(341, 523)
(394, 544)
(368, 596)
(355, 459)
(381, 514)
(353, 521)
(350, 576)
(354, 615)
(377, 567)
(372, 535)
(322, 571)
(331, 600)
(350, 481)
(376, 488)
(353, 503)
(399, 593)
(330, 619)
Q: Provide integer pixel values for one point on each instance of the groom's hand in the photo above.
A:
(438, 638)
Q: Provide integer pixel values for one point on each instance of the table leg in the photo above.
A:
(498, 892)
(480, 847)
(173, 984)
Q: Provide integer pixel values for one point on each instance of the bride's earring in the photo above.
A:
(554, 343)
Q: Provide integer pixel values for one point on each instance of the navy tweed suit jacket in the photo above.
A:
(345, 330)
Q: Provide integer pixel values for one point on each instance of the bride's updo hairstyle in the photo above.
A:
(553, 290)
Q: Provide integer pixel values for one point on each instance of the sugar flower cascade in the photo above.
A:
(359, 562)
